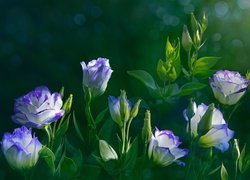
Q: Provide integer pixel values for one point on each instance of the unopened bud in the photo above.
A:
(135, 109)
(124, 106)
(194, 23)
(197, 39)
(68, 104)
(186, 39)
(204, 22)
(146, 130)
(206, 121)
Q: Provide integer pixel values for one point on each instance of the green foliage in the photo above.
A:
(223, 173)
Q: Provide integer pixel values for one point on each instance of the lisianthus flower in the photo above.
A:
(228, 86)
(38, 108)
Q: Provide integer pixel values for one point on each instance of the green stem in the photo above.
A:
(48, 134)
(127, 133)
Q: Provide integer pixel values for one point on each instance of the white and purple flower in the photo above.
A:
(114, 109)
(228, 86)
(218, 135)
(21, 149)
(163, 148)
(96, 75)
(38, 108)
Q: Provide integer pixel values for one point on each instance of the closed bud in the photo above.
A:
(124, 106)
(186, 39)
(204, 22)
(146, 130)
(206, 121)
(194, 23)
(197, 39)
(166, 71)
(236, 150)
(169, 49)
(191, 109)
(135, 109)
(106, 151)
(68, 104)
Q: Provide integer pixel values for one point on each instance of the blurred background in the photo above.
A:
(42, 43)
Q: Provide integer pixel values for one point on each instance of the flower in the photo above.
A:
(114, 109)
(38, 108)
(228, 86)
(96, 75)
(218, 134)
(163, 148)
(21, 149)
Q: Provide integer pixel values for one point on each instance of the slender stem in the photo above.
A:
(236, 169)
(127, 133)
(48, 134)
(123, 138)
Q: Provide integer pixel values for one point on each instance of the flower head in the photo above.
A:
(38, 108)
(21, 149)
(228, 86)
(217, 135)
(163, 148)
(96, 75)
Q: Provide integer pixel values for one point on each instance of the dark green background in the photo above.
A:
(43, 42)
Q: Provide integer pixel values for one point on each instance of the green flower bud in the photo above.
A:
(236, 150)
(169, 49)
(194, 23)
(124, 106)
(166, 71)
(197, 40)
(206, 121)
(186, 39)
(146, 130)
(190, 112)
(68, 104)
(135, 109)
(204, 22)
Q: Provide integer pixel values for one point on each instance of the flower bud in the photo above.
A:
(166, 71)
(194, 23)
(236, 150)
(204, 22)
(186, 39)
(146, 130)
(197, 39)
(106, 151)
(135, 109)
(68, 104)
(206, 121)
(124, 106)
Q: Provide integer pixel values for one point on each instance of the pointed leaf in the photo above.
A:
(106, 130)
(49, 157)
(131, 157)
(189, 88)
(205, 63)
(144, 77)
(78, 131)
(100, 116)
(223, 173)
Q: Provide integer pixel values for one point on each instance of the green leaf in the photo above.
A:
(77, 128)
(204, 74)
(244, 160)
(205, 63)
(49, 157)
(90, 171)
(189, 88)
(223, 173)
(106, 130)
(100, 116)
(63, 128)
(131, 157)
(144, 77)
(68, 168)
